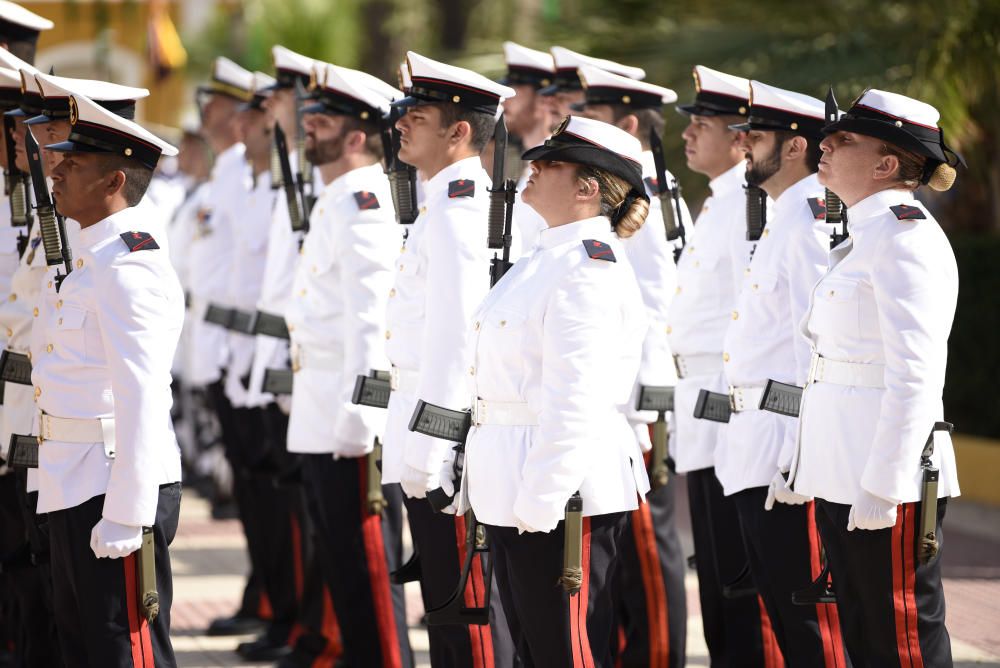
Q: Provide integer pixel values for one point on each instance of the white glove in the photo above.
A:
(417, 483)
(113, 540)
(871, 512)
(778, 491)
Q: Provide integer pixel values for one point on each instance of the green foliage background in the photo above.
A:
(944, 53)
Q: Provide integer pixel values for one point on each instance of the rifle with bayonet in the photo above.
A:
(402, 177)
(16, 186)
(304, 178)
(669, 194)
(836, 212)
(499, 221)
(51, 223)
(299, 222)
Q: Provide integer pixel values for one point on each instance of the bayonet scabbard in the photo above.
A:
(149, 596)
(572, 575)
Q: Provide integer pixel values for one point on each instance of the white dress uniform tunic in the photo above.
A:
(252, 218)
(336, 314)
(701, 311)
(107, 348)
(763, 340)
(865, 422)
(283, 246)
(211, 258)
(437, 287)
(539, 339)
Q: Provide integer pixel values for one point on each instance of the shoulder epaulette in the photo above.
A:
(366, 200)
(137, 241)
(462, 188)
(907, 212)
(818, 206)
(598, 250)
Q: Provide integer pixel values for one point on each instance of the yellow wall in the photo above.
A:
(79, 22)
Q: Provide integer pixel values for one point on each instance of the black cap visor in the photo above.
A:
(590, 155)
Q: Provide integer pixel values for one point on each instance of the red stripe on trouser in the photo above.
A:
(903, 580)
(654, 589)
(296, 534)
(378, 576)
(826, 614)
(264, 606)
(138, 627)
(772, 652)
(475, 596)
(583, 657)
(331, 632)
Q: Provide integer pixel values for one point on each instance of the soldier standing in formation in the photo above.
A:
(546, 371)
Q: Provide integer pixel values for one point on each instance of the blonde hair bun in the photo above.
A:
(632, 220)
(943, 177)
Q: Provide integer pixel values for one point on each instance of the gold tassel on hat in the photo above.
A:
(943, 177)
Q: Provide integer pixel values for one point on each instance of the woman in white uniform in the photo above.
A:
(871, 419)
(556, 351)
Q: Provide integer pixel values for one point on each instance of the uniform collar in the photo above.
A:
(589, 228)
(877, 204)
(227, 159)
(362, 178)
(468, 168)
(795, 194)
(735, 177)
(111, 226)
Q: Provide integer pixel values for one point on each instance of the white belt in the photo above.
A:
(510, 413)
(314, 359)
(745, 398)
(78, 430)
(702, 364)
(403, 380)
(852, 374)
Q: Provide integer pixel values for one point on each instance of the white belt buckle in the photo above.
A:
(477, 412)
(813, 368)
(732, 399)
(393, 379)
(296, 359)
(679, 366)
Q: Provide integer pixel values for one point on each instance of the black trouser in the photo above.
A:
(97, 606)
(280, 537)
(437, 538)
(891, 606)
(360, 550)
(784, 553)
(252, 603)
(652, 603)
(553, 628)
(26, 580)
(732, 627)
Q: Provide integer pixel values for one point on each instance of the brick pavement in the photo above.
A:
(210, 564)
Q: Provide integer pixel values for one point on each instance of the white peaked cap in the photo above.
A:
(261, 82)
(521, 56)
(435, 81)
(605, 87)
(290, 61)
(763, 95)
(229, 73)
(15, 13)
(405, 82)
(713, 81)
(605, 135)
(385, 90)
(774, 108)
(96, 130)
(900, 107)
(566, 59)
(349, 92)
(99, 91)
(28, 83)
